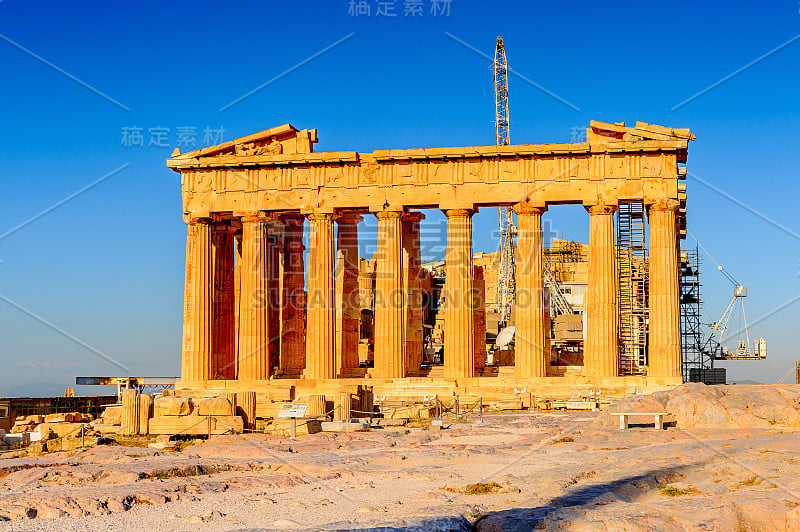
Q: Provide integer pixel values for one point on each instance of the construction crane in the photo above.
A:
(506, 279)
(502, 134)
(507, 272)
(714, 347)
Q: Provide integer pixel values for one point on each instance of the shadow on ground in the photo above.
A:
(426, 524)
(626, 489)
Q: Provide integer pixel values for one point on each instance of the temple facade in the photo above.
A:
(256, 315)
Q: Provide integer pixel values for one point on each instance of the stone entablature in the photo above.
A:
(638, 164)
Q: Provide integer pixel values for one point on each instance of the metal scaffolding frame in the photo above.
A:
(632, 288)
(696, 363)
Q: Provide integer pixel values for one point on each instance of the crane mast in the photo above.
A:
(502, 134)
(507, 272)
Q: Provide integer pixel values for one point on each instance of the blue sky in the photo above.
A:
(107, 266)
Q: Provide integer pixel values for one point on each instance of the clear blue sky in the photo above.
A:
(107, 266)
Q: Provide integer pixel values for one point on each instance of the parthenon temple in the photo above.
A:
(259, 314)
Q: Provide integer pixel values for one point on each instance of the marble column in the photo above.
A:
(664, 342)
(320, 337)
(348, 306)
(459, 326)
(601, 349)
(390, 361)
(293, 311)
(224, 340)
(198, 318)
(411, 286)
(531, 357)
(253, 348)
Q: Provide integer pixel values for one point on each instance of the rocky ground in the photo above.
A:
(516, 471)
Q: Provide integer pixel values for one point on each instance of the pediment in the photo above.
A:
(599, 131)
(280, 140)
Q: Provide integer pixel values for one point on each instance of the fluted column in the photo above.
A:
(348, 306)
(224, 342)
(411, 286)
(601, 352)
(664, 343)
(320, 355)
(293, 343)
(390, 361)
(198, 318)
(530, 356)
(253, 348)
(459, 333)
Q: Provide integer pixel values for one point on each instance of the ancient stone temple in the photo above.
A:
(258, 315)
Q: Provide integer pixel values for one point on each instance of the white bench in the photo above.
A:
(657, 416)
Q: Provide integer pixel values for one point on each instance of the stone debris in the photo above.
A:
(349, 425)
(173, 406)
(165, 445)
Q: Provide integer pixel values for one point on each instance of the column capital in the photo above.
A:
(388, 214)
(253, 217)
(464, 213)
(664, 205)
(197, 220)
(529, 208)
(320, 217)
(414, 217)
(600, 208)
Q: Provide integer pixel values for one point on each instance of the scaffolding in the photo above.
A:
(566, 251)
(632, 271)
(697, 365)
(558, 303)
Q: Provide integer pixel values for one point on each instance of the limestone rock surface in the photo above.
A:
(695, 405)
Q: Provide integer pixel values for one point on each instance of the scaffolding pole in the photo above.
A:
(695, 362)
(632, 288)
